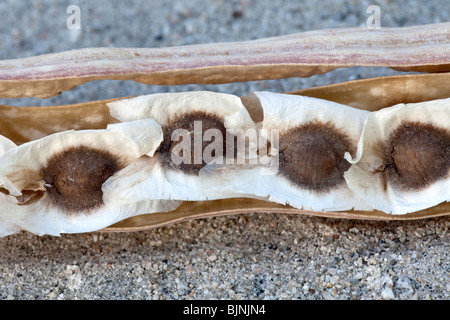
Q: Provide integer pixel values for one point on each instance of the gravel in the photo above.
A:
(252, 256)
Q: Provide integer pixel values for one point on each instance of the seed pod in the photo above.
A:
(176, 170)
(54, 185)
(403, 159)
(312, 137)
(423, 48)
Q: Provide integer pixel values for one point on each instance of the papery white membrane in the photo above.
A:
(148, 178)
(5, 145)
(365, 177)
(6, 227)
(129, 141)
(282, 112)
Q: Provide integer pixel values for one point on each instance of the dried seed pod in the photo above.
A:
(368, 94)
(423, 48)
(312, 137)
(54, 185)
(403, 159)
(212, 127)
(31, 123)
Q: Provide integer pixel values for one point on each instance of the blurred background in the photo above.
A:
(254, 256)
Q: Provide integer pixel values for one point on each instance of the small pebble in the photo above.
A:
(387, 294)
(403, 282)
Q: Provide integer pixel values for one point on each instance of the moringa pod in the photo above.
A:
(366, 94)
(422, 48)
(64, 119)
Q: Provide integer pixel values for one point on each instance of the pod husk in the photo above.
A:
(424, 48)
(203, 209)
(23, 124)
(20, 125)
(376, 93)
(368, 94)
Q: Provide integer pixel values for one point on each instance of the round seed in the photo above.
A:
(312, 156)
(416, 155)
(74, 177)
(196, 123)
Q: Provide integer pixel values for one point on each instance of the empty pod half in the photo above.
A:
(403, 159)
(54, 185)
(307, 140)
(6, 227)
(200, 128)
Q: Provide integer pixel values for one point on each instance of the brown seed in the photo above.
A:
(416, 155)
(75, 177)
(312, 155)
(208, 121)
